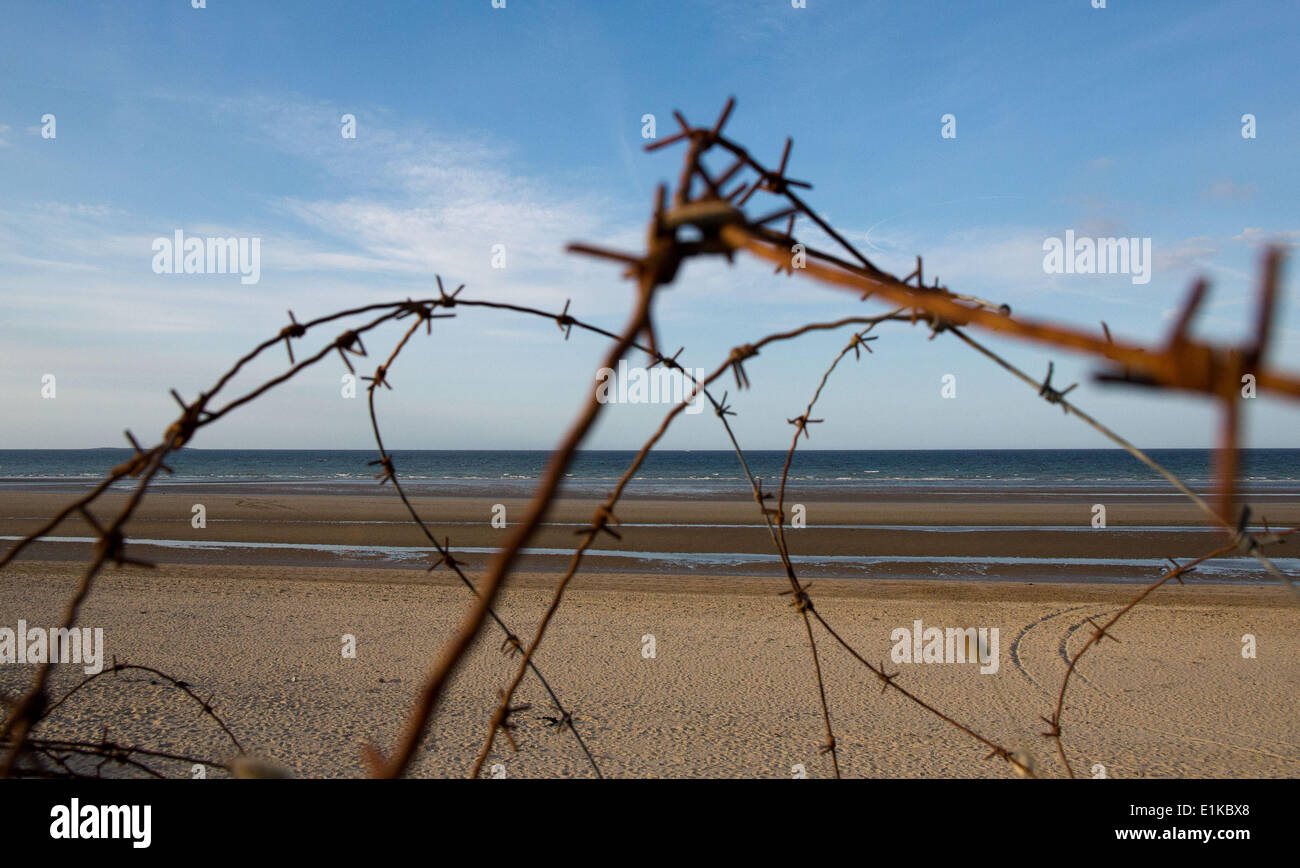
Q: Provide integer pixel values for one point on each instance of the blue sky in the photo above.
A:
(522, 126)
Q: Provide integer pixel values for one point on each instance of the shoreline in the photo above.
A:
(883, 538)
(848, 491)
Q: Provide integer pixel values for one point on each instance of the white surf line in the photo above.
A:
(1221, 567)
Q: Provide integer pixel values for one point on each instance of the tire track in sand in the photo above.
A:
(1016, 646)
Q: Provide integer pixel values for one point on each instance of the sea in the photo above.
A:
(702, 473)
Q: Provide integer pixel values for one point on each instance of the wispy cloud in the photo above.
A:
(416, 201)
(412, 202)
(1256, 237)
(1182, 255)
(1228, 191)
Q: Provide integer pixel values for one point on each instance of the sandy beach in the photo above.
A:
(729, 691)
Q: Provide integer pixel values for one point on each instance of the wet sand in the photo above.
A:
(900, 538)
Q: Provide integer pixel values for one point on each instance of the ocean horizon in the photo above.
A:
(682, 472)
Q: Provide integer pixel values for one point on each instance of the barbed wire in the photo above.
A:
(58, 752)
(718, 227)
(30, 708)
(723, 228)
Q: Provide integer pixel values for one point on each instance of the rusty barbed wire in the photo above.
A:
(511, 643)
(147, 463)
(802, 600)
(32, 706)
(144, 466)
(1052, 396)
(1177, 572)
(604, 515)
(394, 765)
(60, 751)
(719, 227)
(1182, 364)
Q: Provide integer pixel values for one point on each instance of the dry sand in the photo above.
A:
(728, 693)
